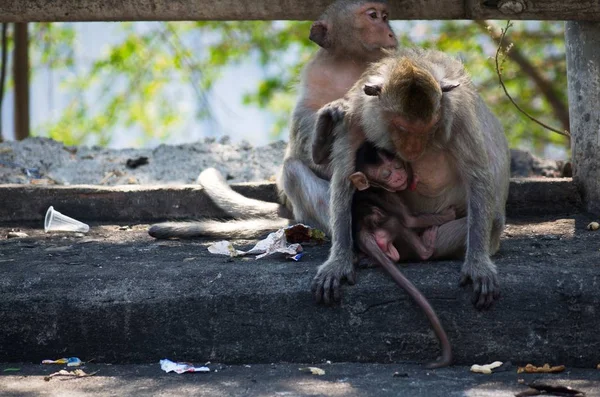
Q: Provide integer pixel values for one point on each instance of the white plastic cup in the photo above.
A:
(57, 222)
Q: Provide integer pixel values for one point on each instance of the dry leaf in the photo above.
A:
(42, 181)
(546, 369)
(78, 373)
(313, 370)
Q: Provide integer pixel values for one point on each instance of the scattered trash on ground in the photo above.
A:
(400, 375)
(485, 369)
(57, 222)
(134, 163)
(78, 373)
(546, 369)
(300, 233)
(170, 366)
(313, 370)
(593, 226)
(16, 235)
(296, 257)
(540, 388)
(71, 361)
(11, 369)
(275, 242)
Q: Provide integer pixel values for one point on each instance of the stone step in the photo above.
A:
(119, 296)
(150, 203)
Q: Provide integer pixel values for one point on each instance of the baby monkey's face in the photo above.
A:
(391, 174)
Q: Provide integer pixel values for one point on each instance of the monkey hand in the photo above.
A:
(335, 110)
(326, 284)
(328, 117)
(484, 277)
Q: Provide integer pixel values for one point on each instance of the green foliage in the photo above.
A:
(132, 82)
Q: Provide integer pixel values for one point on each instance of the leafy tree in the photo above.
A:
(132, 81)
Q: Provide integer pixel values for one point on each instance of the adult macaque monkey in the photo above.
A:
(422, 105)
(351, 34)
(378, 175)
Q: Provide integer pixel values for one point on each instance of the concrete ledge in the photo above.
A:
(127, 203)
(20, 203)
(120, 296)
(540, 196)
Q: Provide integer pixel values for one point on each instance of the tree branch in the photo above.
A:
(560, 109)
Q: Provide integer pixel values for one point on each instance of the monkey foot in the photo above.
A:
(428, 238)
(482, 274)
(326, 284)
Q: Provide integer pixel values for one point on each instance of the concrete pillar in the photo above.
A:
(582, 41)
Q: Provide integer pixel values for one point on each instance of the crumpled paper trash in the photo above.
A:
(71, 361)
(274, 243)
(170, 366)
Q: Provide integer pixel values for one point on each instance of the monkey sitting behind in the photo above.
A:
(384, 214)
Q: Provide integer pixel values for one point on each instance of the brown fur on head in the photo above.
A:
(410, 98)
(411, 91)
(355, 29)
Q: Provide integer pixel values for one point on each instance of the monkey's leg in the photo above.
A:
(478, 268)
(415, 243)
(308, 194)
(427, 220)
(326, 284)
(451, 238)
(497, 228)
(428, 242)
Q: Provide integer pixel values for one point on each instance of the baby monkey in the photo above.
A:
(384, 213)
(379, 218)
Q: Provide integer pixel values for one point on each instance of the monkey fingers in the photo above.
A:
(326, 284)
(485, 287)
(328, 117)
(336, 109)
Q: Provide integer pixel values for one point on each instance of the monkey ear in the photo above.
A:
(360, 181)
(449, 85)
(318, 34)
(372, 89)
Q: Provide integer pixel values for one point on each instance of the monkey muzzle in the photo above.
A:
(410, 148)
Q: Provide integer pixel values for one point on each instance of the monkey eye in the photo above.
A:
(372, 14)
(385, 174)
(384, 16)
(398, 165)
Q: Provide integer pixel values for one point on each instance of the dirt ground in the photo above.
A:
(350, 380)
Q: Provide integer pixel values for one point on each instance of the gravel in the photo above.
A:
(43, 160)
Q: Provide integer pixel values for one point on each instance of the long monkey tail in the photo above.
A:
(368, 245)
(233, 203)
(244, 228)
